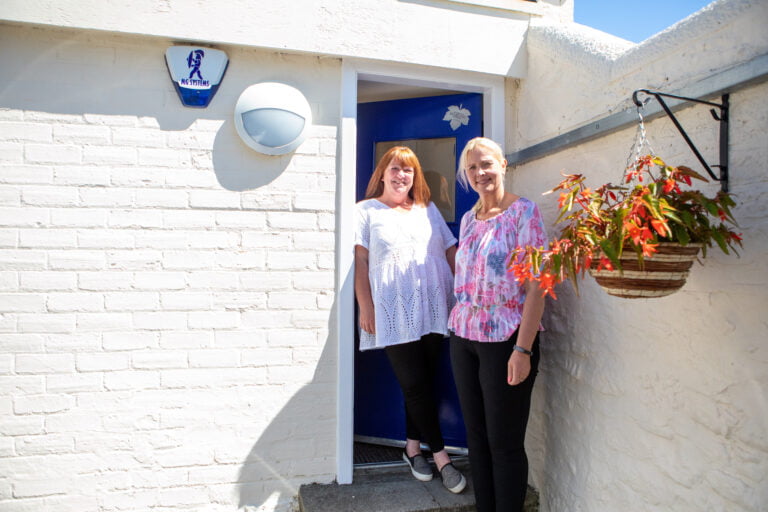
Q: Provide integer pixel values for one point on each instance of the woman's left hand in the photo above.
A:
(518, 368)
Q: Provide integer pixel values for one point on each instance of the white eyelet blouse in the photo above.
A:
(411, 281)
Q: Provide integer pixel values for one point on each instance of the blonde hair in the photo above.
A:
(477, 142)
(407, 158)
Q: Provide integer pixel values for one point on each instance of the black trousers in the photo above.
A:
(495, 416)
(415, 365)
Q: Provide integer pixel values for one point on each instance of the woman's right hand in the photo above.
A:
(367, 319)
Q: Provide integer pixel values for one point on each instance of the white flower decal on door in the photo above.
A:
(457, 116)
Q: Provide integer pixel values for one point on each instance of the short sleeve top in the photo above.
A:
(411, 281)
(489, 301)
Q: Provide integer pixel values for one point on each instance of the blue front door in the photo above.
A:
(436, 128)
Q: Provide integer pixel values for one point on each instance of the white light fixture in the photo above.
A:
(272, 118)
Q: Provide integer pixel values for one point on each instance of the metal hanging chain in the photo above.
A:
(640, 147)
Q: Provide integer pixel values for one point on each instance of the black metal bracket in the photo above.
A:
(721, 116)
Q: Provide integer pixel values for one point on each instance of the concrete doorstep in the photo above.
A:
(393, 489)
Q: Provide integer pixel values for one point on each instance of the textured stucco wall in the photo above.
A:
(442, 33)
(655, 404)
(165, 292)
(602, 70)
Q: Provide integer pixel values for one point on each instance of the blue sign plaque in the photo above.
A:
(196, 73)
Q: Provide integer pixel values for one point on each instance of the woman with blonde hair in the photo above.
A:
(495, 324)
(404, 287)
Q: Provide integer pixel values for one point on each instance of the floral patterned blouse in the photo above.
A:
(489, 302)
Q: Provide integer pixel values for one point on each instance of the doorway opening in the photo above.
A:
(366, 82)
(435, 124)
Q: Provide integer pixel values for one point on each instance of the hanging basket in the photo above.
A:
(661, 275)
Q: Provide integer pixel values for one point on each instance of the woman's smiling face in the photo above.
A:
(398, 178)
(484, 172)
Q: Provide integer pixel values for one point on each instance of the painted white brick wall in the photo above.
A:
(658, 404)
(165, 292)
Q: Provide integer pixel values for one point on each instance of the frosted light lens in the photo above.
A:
(273, 127)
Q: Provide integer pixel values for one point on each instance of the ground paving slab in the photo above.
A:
(393, 489)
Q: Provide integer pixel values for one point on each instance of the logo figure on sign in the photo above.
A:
(194, 60)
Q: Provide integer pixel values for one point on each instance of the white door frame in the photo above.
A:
(492, 89)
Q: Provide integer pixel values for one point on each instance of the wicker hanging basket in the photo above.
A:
(661, 275)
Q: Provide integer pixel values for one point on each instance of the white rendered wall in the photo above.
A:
(463, 35)
(603, 70)
(165, 292)
(654, 404)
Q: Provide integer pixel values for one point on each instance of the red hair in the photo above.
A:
(407, 158)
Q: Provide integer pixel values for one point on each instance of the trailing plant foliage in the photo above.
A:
(653, 205)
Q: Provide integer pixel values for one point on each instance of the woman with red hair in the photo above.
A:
(404, 256)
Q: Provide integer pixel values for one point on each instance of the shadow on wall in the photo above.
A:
(559, 373)
(240, 168)
(300, 441)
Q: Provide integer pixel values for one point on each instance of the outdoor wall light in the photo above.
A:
(272, 118)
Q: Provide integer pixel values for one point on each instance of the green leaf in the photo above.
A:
(611, 253)
(720, 241)
(674, 217)
(690, 172)
(680, 234)
(726, 207)
(726, 199)
(556, 263)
